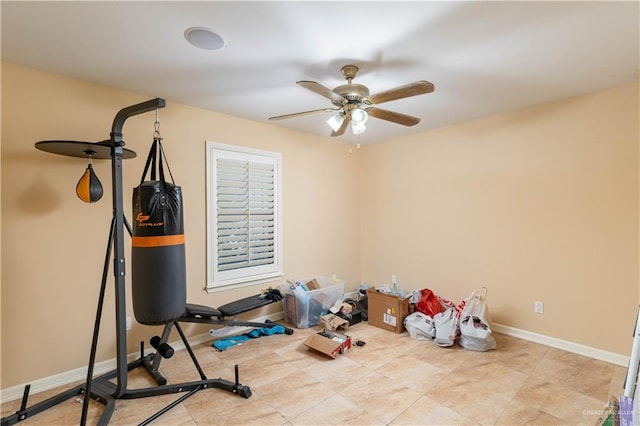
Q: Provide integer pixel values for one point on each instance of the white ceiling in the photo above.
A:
(482, 57)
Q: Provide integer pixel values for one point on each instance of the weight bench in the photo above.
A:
(225, 315)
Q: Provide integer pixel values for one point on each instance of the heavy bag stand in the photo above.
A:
(101, 388)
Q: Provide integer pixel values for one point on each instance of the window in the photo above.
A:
(244, 230)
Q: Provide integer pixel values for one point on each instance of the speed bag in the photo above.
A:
(159, 279)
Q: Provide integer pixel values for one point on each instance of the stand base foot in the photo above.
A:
(102, 391)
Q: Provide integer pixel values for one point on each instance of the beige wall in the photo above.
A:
(538, 204)
(55, 244)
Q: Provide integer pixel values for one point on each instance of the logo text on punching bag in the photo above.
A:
(142, 221)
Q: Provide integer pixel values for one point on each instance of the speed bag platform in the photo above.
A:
(159, 279)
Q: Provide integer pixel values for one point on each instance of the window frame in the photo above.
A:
(223, 280)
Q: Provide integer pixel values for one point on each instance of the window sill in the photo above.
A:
(274, 278)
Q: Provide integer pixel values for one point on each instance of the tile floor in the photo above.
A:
(392, 380)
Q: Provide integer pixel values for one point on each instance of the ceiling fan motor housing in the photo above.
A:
(353, 93)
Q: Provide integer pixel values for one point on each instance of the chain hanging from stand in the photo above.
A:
(156, 127)
(158, 138)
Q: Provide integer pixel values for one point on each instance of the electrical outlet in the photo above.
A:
(128, 324)
(538, 307)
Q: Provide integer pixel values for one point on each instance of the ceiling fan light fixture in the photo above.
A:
(359, 116)
(205, 38)
(335, 121)
(358, 128)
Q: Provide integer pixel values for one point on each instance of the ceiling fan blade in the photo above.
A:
(298, 114)
(343, 127)
(322, 91)
(395, 117)
(412, 89)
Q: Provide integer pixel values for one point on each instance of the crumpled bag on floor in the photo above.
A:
(420, 326)
(446, 324)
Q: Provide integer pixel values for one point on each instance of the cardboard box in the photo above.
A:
(342, 338)
(313, 284)
(328, 343)
(333, 322)
(387, 311)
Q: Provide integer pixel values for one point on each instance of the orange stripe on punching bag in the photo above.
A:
(157, 241)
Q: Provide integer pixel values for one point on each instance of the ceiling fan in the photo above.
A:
(353, 104)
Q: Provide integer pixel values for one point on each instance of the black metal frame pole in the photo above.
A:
(96, 328)
(119, 267)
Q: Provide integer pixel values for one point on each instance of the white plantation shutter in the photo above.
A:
(243, 215)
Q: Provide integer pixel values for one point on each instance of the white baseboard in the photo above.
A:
(565, 345)
(103, 367)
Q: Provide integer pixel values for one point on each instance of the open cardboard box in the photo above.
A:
(328, 343)
(387, 311)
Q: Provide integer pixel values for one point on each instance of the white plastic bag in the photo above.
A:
(478, 344)
(475, 320)
(420, 326)
(446, 324)
(475, 323)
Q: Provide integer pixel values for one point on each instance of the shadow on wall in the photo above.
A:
(40, 197)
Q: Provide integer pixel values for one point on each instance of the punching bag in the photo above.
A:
(89, 188)
(159, 287)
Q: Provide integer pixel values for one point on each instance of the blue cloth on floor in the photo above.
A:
(266, 331)
(227, 342)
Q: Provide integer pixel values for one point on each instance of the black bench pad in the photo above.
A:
(243, 305)
(229, 310)
(201, 311)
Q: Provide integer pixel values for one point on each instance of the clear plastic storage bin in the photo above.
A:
(303, 309)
